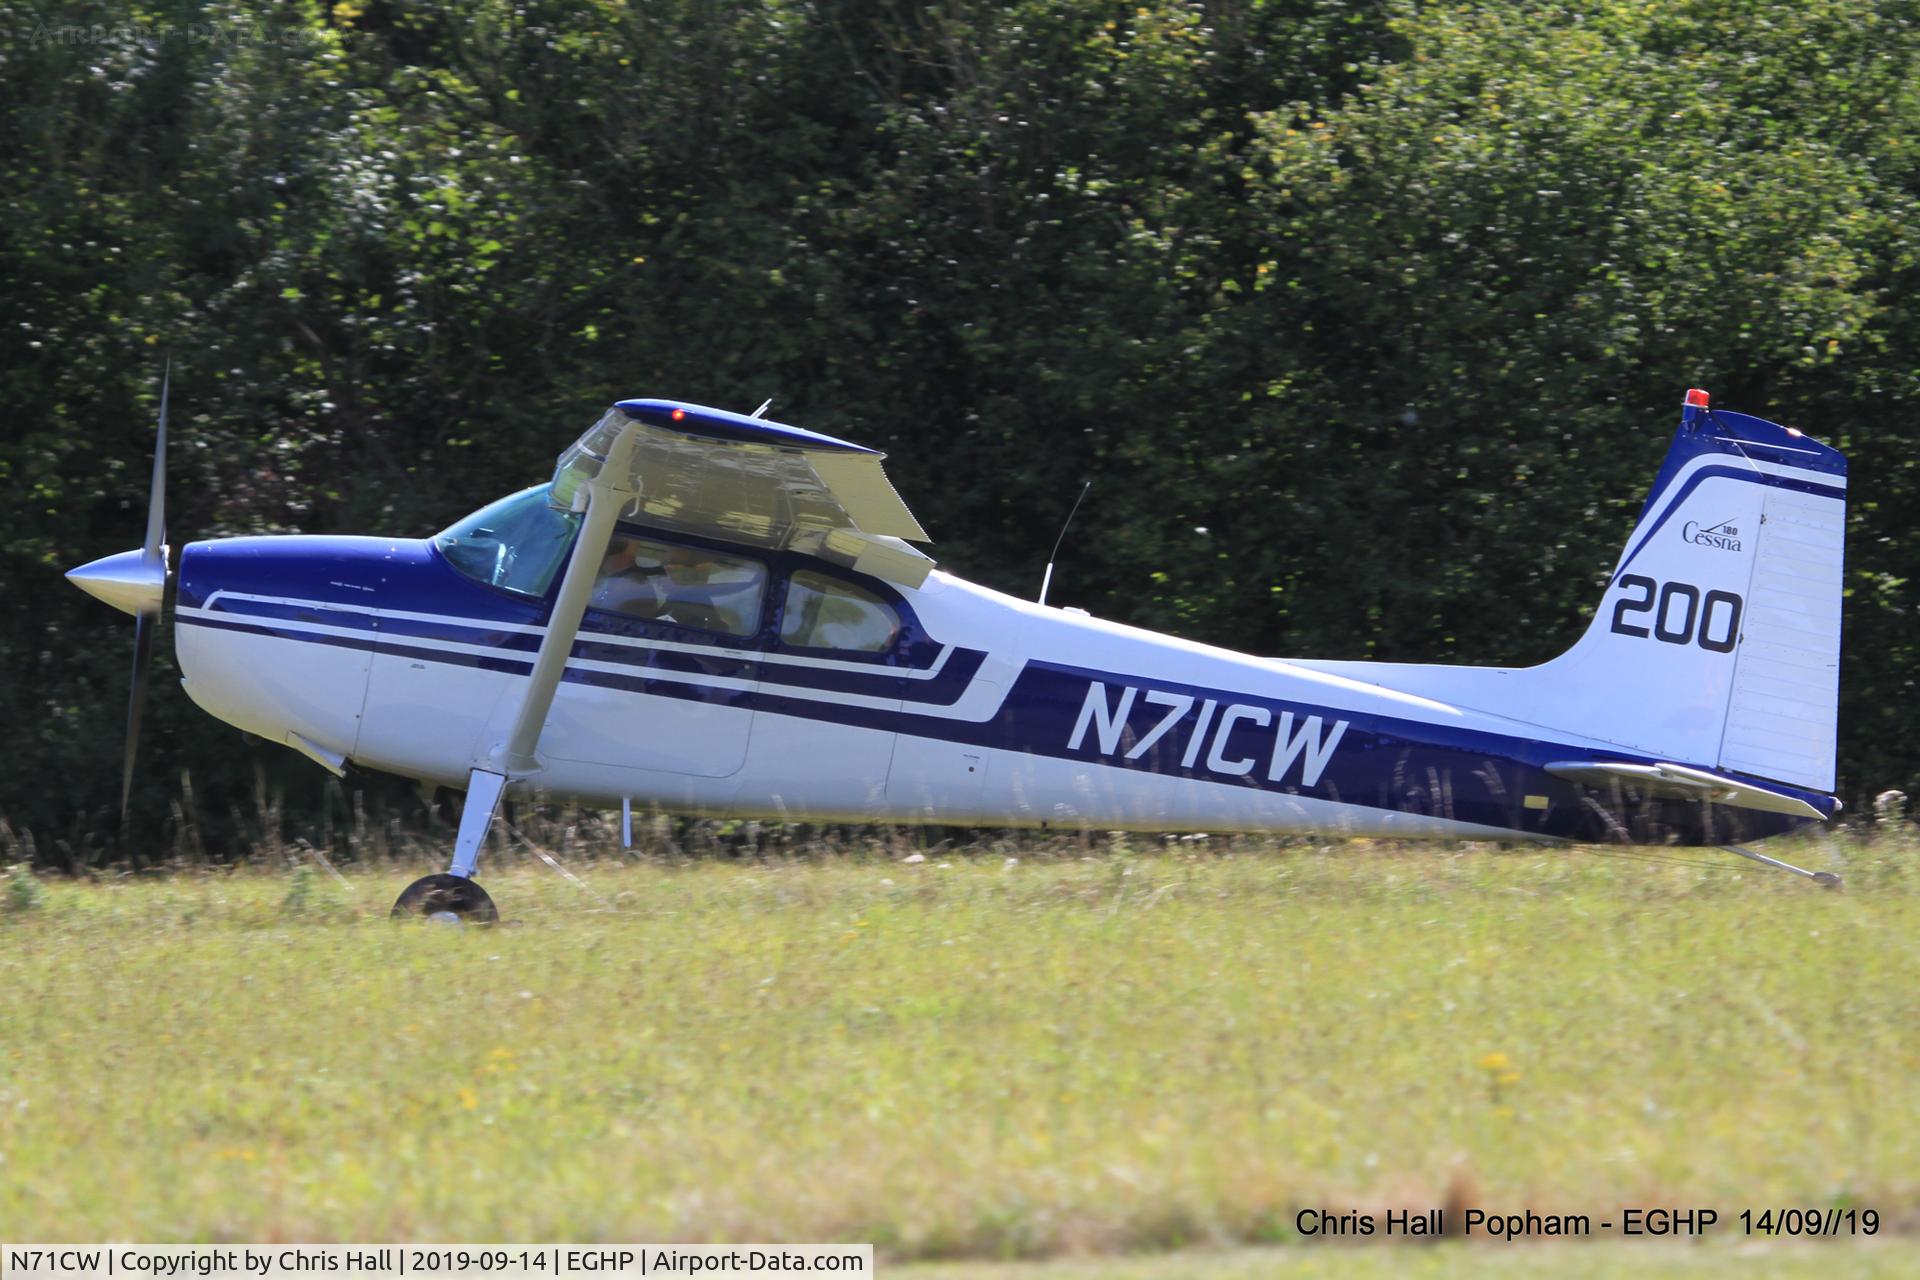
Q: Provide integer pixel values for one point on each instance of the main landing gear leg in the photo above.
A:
(1825, 879)
(454, 896)
(599, 499)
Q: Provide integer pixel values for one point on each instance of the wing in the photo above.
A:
(746, 480)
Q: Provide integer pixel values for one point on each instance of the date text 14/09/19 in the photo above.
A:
(1482, 1223)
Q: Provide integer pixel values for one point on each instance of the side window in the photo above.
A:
(826, 613)
(687, 586)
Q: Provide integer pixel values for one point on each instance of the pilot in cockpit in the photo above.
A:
(688, 586)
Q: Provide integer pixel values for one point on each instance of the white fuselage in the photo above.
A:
(1060, 719)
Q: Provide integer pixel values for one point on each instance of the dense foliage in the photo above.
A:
(1369, 321)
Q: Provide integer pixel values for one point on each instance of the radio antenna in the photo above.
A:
(1047, 580)
(762, 410)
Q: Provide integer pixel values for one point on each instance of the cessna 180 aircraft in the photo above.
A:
(710, 612)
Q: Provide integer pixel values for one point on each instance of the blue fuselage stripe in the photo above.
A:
(387, 633)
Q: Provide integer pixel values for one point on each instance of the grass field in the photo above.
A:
(977, 1056)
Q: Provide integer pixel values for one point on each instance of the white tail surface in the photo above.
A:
(1718, 639)
(1717, 643)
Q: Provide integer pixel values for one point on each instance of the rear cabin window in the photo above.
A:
(686, 586)
(826, 613)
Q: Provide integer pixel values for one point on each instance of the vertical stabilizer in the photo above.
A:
(1718, 640)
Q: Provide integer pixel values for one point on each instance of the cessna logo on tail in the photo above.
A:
(1723, 535)
(1208, 733)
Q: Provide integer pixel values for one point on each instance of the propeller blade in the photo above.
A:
(157, 493)
(143, 628)
(153, 570)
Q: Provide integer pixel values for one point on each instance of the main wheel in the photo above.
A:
(445, 897)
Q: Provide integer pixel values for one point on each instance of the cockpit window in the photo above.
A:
(687, 586)
(517, 543)
(826, 613)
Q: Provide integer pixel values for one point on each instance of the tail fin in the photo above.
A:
(1718, 639)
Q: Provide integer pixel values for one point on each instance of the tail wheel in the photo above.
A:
(446, 897)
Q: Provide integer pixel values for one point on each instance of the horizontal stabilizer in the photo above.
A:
(1679, 780)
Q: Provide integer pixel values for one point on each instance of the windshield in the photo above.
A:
(517, 543)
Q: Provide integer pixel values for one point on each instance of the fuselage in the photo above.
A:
(947, 703)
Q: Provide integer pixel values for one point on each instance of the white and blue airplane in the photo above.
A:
(706, 612)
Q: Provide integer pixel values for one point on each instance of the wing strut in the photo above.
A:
(605, 494)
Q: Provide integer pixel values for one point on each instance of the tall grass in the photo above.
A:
(350, 825)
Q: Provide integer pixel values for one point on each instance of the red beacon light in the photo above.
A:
(1696, 398)
(678, 414)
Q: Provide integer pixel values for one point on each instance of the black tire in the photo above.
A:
(431, 895)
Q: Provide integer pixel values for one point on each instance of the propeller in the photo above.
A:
(136, 582)
(143, 625)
